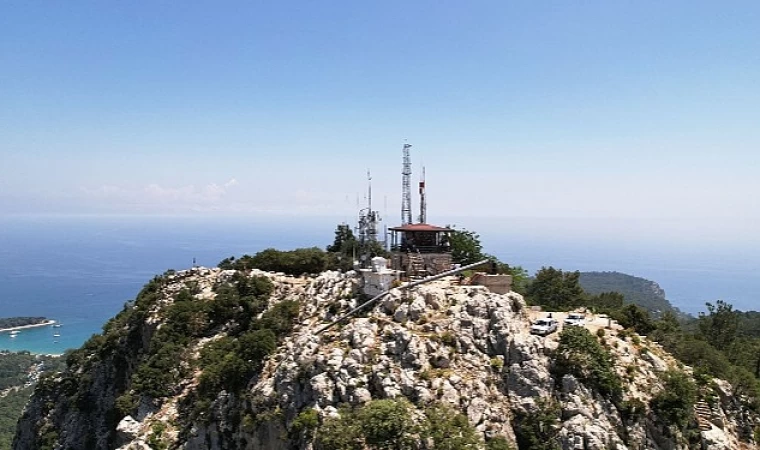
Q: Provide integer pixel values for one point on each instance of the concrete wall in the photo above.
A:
(498, 284)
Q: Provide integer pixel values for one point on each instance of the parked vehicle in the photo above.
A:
(575, 320)
(544, 327)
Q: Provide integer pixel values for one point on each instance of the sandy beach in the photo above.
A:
(24, 327)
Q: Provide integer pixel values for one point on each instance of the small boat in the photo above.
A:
(56, 325)
(56, 335)
(14, 333)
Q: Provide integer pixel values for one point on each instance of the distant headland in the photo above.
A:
(20, 323)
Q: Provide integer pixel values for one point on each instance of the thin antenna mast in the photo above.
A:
(385, 226)
(423, 200)
(369, 190)
(406, 188)
(372, 216)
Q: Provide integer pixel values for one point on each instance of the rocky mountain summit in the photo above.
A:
(223, 359)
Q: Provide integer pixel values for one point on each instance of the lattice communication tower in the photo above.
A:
(406, 188)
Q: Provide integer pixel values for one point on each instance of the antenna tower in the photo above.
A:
(372, 216)
(368, 222)
(423, 200)
(406, 188)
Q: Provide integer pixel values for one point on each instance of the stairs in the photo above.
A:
(704, 415)
(416, 266)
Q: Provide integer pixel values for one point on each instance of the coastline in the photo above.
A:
(24, 327)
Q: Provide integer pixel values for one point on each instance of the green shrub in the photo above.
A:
(449, 339)
(126, 404)
(581, 355)
(155, 439)
(48, 439)
(633, 409)
(339, 433)
(388, 425)
(635, 318)
(498, 443)
(157, 377)
(674, 404)
(497, 364)
(305, 422)
(280, 318)
(385, 424)
(239, 301)
(539, 430)
(257, 345)
(448, 429)
(294, 262)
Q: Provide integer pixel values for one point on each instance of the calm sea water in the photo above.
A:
(81, 271)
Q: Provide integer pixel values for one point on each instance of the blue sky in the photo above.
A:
(584, 110)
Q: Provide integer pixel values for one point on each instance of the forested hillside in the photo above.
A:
(639, 291)
(18, 373)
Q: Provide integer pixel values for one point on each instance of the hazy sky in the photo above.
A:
(574, 109)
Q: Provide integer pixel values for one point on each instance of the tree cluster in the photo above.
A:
(290, 262)
(390, 424)
(717, 344)
(557, 290)
(253, 332)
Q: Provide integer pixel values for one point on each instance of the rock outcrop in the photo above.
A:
(462, 346)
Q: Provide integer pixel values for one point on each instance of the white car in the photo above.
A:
(575, 320)
(543, 327)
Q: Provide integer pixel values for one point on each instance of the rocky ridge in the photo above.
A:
(462, 346)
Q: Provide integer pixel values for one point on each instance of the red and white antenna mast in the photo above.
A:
(423, 201)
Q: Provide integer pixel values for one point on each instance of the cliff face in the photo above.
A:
(441, 343)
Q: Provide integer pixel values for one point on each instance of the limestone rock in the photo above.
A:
(128, 429)
(461, 346)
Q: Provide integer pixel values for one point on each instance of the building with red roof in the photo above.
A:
(420, 249)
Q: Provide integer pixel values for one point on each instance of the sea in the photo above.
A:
(81, 270)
